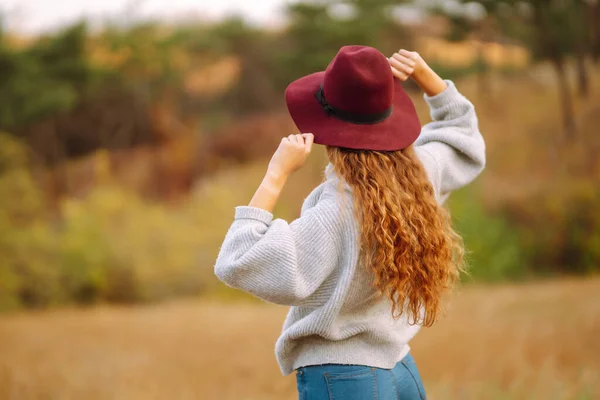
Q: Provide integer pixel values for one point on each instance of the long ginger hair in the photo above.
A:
(406, 238)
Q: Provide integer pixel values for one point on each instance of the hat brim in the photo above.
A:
(396, 132)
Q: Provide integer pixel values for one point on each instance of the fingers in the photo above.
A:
(401, 66)
(292, 153)
(299, 139)
(404, 63)
(401, 75)
(304, 140)
(308, 141)
(403, 59)
(412, 55)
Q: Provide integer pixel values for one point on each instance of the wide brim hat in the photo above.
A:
(355, 103)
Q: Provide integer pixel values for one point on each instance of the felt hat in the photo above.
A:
(355, 103)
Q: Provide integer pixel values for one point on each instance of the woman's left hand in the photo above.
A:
(291, 154)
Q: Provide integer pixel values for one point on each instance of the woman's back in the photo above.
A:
(365, 264)
(313, 263)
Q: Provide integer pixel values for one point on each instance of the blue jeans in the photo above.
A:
(358, 382)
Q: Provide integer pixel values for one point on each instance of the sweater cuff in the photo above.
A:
(448, 96)
(247, 212)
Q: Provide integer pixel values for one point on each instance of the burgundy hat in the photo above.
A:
(355, 103)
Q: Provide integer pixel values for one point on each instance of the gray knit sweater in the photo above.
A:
(312, 264)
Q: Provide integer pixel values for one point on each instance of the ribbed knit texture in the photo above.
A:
(312, 264)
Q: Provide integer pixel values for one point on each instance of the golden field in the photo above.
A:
(526, 341)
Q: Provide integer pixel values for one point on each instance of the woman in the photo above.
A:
(372, 253)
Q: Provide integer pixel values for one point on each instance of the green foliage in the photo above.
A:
(561, 230)
(118, 247)
(551, 29)
(42, 80)
(110, 245)
(254, 49)
(493, 246)
(316, 33)
(553, 233)
(26, 241)
(150, 65)
(114, 245)
(454, 73)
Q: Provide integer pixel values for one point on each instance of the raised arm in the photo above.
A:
(451, 147)
(271, 259)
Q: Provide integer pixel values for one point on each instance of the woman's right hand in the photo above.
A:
(407, 64)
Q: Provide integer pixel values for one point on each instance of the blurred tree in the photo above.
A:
(317, 30)
(583, 44)
(147, 56)
(464, 26)
(44, 79)
(71, 93)
(593, 18)
(553, 30)
(255, 89)
(26, 243)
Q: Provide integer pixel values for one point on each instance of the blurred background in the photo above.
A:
(129, 130)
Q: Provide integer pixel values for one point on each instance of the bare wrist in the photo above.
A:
(431, 83)
(269, 190)
(274, 179)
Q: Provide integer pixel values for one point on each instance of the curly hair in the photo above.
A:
(406, 238)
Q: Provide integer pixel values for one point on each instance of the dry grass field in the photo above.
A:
(530, 341)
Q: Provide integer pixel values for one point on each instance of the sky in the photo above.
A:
(35, 16)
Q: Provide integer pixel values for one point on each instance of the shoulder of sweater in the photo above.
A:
(336, 192)
(334, 209)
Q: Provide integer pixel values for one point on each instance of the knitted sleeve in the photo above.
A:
(451, 147)
(276, 261)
